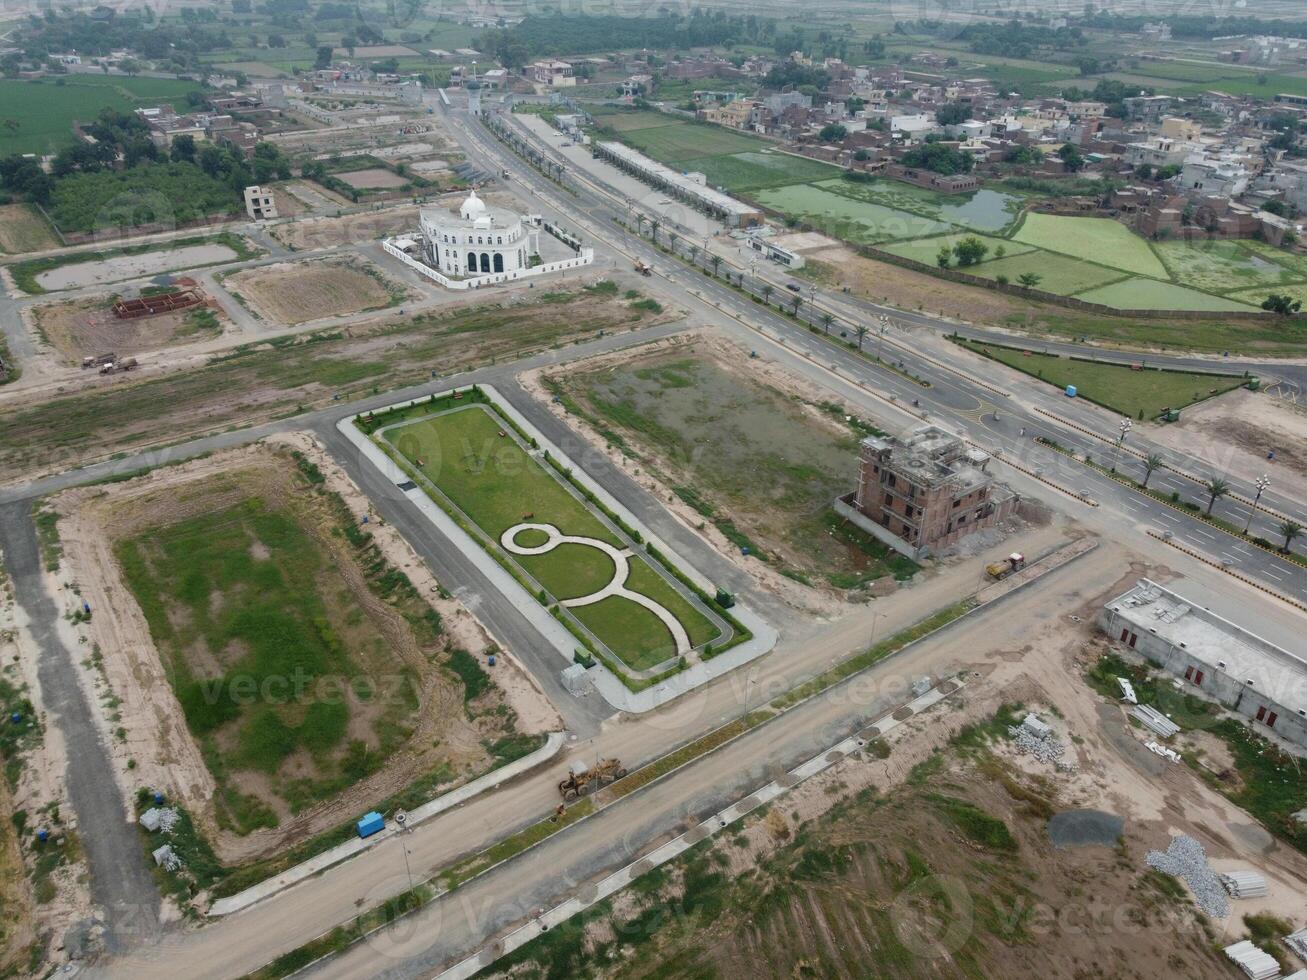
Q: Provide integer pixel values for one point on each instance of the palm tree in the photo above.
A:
(767, 290)
(861, 333)
(694, 253)
(1289, 530)
(716, 264)
(826, 321)
(797, 301)
(1216, 488)
(653, 225)
(1153, 462)
(672, 239)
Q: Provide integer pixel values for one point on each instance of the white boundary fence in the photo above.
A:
(586, 257)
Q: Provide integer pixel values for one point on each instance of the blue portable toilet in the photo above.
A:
(158, 798)
(1071, 391)
(490, 660)
(371, 824)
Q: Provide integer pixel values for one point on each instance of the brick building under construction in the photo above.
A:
(925, 492)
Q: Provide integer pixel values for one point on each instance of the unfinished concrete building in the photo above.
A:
(925, 492)
(1215, 657)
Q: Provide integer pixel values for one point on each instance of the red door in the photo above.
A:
(1133, 637)
(1124, 634)
(1198, 678)
(1270, 719)
(1261, 713)
(1189, 673)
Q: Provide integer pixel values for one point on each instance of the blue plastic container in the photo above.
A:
(371, 824)
(1071, 391)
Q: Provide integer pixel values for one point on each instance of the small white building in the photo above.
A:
(479, 239)
(259, 203)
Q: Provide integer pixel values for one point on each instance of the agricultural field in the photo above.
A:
(983, 210)
(842, 217)
(297, 292)
(1149, 294)
(1141, 394)
(254, 578)
(1058, 273)
(1099, 240)
(758, 463)
(22, 229)
(926, 249)
(43, 111)
(585, 568)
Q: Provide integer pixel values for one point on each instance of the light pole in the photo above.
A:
(1263, 482)
(1125, 427)
(880, 343)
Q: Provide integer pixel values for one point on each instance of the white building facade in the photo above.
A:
(479, 240)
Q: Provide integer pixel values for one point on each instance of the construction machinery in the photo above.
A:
(1002, 569)
(582, 780)
(99, 360)
(642, 268)
(127, 364)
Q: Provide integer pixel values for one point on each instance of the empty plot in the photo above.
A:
(373, 177)
(1222, 266)
(23, 230)
(298, 292)
(1149, 294)
(1100, 240)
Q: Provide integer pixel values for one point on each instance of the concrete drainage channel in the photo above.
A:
(589, 895)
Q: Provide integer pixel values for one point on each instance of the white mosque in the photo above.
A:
(480, 240)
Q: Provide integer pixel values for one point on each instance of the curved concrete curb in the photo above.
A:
(343, 852)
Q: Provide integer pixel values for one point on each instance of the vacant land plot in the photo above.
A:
(1100, 240)
(302, 663)
(762, 465)
(1150, 294)
(855, 221)
(87, 327)
(1223, 266)
(22, 229)
(43, 110)
(73, 270)
(291, 293)
(294, 375)
(373, 177)
(479, 468)
(1144, 394)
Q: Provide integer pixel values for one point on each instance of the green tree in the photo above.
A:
(944, 256)
(1152, 462)
(970, 251)
(1030, 279)
(183, 148)
(323, 59)
(860, 331)
(833, 133)
(1216, 488)
(1071, 158)
(1289, 530)
(1283, 305)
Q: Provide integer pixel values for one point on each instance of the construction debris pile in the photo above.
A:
(1186, 859)
(1244, 884)
(1155, 720)
(1034, 737)
(162, 820)
(1298, 943)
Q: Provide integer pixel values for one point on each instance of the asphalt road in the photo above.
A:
(998, 423)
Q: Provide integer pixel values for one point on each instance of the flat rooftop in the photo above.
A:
(723, 202)
(1206, 637)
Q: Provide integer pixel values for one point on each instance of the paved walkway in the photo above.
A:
(616, 587)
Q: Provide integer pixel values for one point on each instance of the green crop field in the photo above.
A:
(477, 465)
(983, 210)
(38, 116)
(1224, 266)
(685, 140)
(1059, 273)
(1135, 394)
(1150, 294)
(1100, 240)
(756, 170)
(855, 221)
(925, 249)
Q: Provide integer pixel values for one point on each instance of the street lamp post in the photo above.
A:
(880, 343)
(1263, 482)
(1125, 427)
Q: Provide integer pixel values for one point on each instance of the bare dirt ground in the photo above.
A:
(1235, 432)
(22, 230)
(349, 229)
(86, 327)
(289, 293)
(150, 741)
(826, 879)
(65, 899)
(374, 177)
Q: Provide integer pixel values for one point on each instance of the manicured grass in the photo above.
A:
(1101, 240)
(469, 455)
(856, 221)
(1136, 394)
(45, 109)
(1222, 266)
(1149, 294)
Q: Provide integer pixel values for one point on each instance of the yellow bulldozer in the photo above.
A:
(582, 780)
(1002, 569)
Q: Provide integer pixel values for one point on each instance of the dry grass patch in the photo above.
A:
(22, 229)
(297, 292)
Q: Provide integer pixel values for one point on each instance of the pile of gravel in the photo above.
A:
(1186, 859)
(1048, 749)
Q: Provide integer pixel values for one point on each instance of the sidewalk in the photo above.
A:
(347, 850)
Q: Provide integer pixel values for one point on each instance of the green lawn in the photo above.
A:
(470, 455)
(1100, 240)
(1150, 294)
(1135, 394)
(44, 110)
